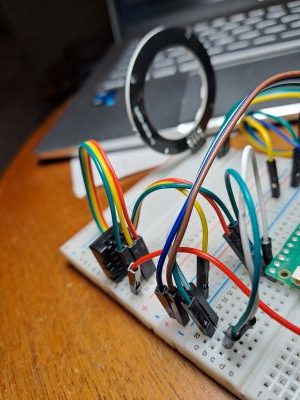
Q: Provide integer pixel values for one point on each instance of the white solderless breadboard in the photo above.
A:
(265, 363)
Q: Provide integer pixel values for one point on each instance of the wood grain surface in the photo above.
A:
(60, 336)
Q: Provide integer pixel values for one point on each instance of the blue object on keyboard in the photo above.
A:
(105, 98)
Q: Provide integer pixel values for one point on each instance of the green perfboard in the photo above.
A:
(287, 260)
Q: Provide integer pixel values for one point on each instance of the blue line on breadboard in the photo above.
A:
(286, 206)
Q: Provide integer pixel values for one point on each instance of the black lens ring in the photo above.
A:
(142, 58)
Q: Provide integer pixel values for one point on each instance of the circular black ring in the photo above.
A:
(155, 41)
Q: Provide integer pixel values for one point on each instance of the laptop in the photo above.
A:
(246, 40)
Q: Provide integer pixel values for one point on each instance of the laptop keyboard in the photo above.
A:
(228, 40)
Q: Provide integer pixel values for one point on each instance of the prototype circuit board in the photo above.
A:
(265, 364)
(285, 267)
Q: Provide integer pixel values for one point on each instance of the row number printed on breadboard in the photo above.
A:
(265, 363)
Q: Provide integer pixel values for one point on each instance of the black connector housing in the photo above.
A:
(229, 339)
(267, 251)
(139, 249)
(202, 277)
(201, 312)
(295, 178)
(273, 175)
(267, 257)
(172, 303)
(164, 299)
(179, 311)
(115, 262)
(111, 260)
(235, 242)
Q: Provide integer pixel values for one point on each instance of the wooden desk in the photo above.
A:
(60, 336)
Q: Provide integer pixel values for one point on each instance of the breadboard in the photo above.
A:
(265, 363)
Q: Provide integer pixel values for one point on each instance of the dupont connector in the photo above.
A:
(139, 249)
(267, 251)
(115, 262)
(201, 312)
(202, 277)
(234, 241)
(164, 299)
(229, 340)
(267, 258)
(295, 178)
(134, 279)
(172, 303)
(179, 312)
(273, 175)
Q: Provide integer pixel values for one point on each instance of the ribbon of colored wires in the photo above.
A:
(176, 234)
(120, 195)
(167, 184)
(112, 188)
(281, 122)
(276, 96)
(88, 178)
(179, 278)
(213, 200)
(247, 128)
(115, 194)
(257, 143)
(174, 183)
(85, 151)
(280, 133)
(293, 140)
(269, 311)
(263, 133)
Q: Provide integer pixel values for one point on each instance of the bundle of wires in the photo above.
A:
(184, 186)
(270, 89)
(258, 132)
(218, 205)
(227, 271)
(90, 151)
(253, 262)
(121, 223)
